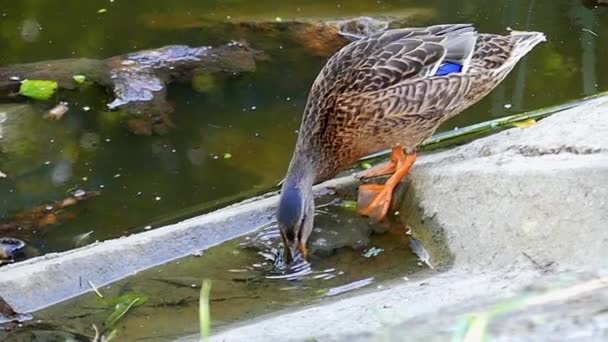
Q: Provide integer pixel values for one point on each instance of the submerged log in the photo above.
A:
(137, 80)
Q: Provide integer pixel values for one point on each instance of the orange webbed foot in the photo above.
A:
(374, 200)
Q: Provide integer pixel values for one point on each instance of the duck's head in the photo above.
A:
(295, 217)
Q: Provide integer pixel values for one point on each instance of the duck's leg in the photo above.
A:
(386, 168)
(374, 200)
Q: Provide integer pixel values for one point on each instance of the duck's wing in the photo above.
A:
(390, 57)
(405, 101)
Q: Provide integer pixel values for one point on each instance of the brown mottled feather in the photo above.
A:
(381, 90)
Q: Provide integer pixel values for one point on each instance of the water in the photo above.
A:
(248, 282)
(252, 118)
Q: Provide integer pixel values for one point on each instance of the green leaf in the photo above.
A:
(102, 10)
(227, 155)
(203, 310)
(121, 309)
(38, 89)
(348, 205)
(366, 165)
(79, 78)
(126, 299)
(525, 124)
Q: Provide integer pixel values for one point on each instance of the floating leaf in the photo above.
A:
(366, 165)
(102, 10)
(525, 124)
(203, 310)
(79, 78)
(38, 89)
(227, 155)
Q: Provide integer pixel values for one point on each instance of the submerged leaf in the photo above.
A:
(38, 89)
(525, 124)
(349, 205)
(102, 10)
(121, 309)
(227, 155)
(128, 298)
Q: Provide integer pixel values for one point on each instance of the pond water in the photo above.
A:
(235, 139)
(348, 254)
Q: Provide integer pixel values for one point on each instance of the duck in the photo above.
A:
(389, 90)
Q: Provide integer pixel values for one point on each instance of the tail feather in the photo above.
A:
(523, 42)
(526, 41)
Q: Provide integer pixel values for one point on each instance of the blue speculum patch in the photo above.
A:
(448, 68)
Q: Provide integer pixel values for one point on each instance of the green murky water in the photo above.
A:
(244, 285)
(252, 117)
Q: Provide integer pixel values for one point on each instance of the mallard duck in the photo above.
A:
(391, 89)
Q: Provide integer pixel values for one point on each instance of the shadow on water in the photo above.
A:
(249, 278)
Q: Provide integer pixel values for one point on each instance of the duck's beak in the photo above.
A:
(293, 250)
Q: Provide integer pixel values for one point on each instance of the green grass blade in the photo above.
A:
(203, 310)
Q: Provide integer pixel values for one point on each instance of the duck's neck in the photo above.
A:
(301, 174)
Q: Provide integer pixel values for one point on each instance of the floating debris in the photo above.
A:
(2, 174)
(47, 214)
(79, 78)
(350, 287)
(82, 239)
(421, 252)
(373, 252)
(57, 112)
(589, 31)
